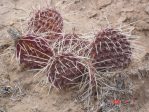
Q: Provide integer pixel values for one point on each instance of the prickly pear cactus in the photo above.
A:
(33, 51)
(65, 70)
(46, 20)
(111, 50)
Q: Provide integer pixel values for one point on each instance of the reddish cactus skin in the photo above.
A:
(47, 20)
(111, 50)
(64, 69)
(33, 52)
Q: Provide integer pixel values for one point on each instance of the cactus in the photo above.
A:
(33, 51)
(46, 20)
(111, 50)
(65, 70)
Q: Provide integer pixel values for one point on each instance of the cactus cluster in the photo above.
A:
(67, 59)
(66, 56)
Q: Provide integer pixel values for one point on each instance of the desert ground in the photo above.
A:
(27, 92)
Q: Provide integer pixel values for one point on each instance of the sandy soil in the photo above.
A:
(31, 94)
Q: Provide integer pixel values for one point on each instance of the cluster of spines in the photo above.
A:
(72, 43)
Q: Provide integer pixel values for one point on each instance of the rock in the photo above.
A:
(130, 9)
(64, 1)
(92, 14)
(2, 109)
(103, 3)
(146, 57)
(3, 47)
(142, 26)
(36, 110)
(122, 19)
(76, 1)
(146, 19)
(147, 9)
(2, 26)
(5, 91)
(1, 4)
